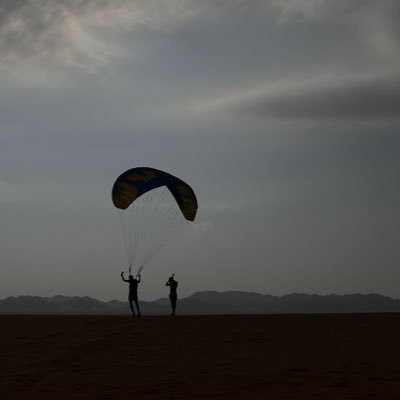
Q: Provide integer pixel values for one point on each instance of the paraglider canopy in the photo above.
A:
(152, 205)
(133, 183)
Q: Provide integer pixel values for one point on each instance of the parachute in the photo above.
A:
(153, 205)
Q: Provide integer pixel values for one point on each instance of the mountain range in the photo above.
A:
(206, 302)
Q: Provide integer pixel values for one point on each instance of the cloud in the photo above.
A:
(42, 38)
(33, 32)
(376, 23)
(38, 36)
(366, 99)
(319, 97)
(321, 60)
(290, 10)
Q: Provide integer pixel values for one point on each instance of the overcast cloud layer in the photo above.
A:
(283, 116)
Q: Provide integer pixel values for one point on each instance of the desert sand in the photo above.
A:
(348, 356)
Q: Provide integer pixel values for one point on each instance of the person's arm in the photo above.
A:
(168, 283)
(122, 276)
(139, 278)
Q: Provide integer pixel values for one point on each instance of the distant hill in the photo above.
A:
(207, 302)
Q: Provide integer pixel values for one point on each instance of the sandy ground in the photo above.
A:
(201, 357)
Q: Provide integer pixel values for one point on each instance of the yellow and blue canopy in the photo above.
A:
(133, 183)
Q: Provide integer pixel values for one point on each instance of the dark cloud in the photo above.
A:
(367, 100)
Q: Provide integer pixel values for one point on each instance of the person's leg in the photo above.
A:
(173, 304)
(131, 306)
(137, 306)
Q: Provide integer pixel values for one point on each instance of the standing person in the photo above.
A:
(173, 296)
(133, 288)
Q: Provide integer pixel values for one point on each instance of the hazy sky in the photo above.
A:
(283, 115)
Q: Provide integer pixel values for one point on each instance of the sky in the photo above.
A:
(283, 116)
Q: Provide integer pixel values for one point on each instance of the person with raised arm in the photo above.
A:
(133, 292)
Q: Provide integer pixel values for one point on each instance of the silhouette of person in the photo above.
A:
(133, 296)
(173, 296)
